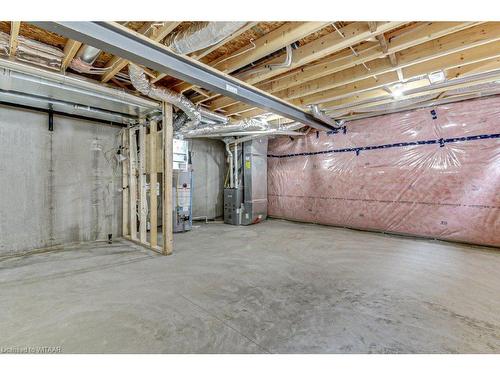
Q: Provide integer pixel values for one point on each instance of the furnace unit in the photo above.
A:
(245, 202)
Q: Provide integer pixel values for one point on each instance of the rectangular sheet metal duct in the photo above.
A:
(116, 39)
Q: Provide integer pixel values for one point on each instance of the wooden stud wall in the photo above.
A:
(143, 164)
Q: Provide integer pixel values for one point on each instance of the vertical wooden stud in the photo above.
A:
(133, 182)
(142, 185)
(167, 222)
(153, 180)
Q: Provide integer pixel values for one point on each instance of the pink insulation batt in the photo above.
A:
(446, 187)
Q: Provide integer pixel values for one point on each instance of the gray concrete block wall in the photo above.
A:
(56, 187)
(208, 162)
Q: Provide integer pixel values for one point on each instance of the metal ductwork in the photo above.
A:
(142, 84)
(194, 115)
(214, 116)
(318, 114)
(201, 35)
(33, 51)
(21, 83)
(245, 127)
(85, 59)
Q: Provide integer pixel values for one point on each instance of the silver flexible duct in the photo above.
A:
(85, 59)
(244, 126)
(142, 84)
(201, 35)
(33, 51)
(179, 121)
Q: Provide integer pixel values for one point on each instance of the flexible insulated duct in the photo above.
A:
(33, 51)
(244, 126)
(142, 84)
(201, 35)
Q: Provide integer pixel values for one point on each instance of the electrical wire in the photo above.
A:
(238, 54)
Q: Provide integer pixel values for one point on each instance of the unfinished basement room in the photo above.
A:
(249, 187)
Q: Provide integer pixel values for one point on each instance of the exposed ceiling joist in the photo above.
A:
(379, 98)
(353, 34)
(70, 50)
(367, 52)
(14, 33)
(117, 63)
(121, 41)
(351, 83)
(469, 56)
(279, 38)
(421, 53)
(348, 101)
(467, 38)
(199, 54)
(363, 54)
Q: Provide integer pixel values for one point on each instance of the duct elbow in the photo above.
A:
(142, 84)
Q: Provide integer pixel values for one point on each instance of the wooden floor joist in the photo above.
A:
(117, 63)
(363, 55)
(14, 33)
(70, 50)
(275, 40)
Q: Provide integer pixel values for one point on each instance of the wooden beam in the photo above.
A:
(116, 63)
(385, 49)
(350, 35)
(464, 40)
(353, 33)
(125, 183)
(153, 181)
(167, 220)
(270, 42)
(142, 184)
(70, 50)
(469, 56)
(452, 73)
(474, 60)
(14, 33)
(133, 182)
(281, 37)
(432, 53)
(378, 98)
(369, 51)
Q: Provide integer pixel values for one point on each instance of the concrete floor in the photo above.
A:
(275, 287)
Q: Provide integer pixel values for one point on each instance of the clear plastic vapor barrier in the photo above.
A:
(432, 172)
